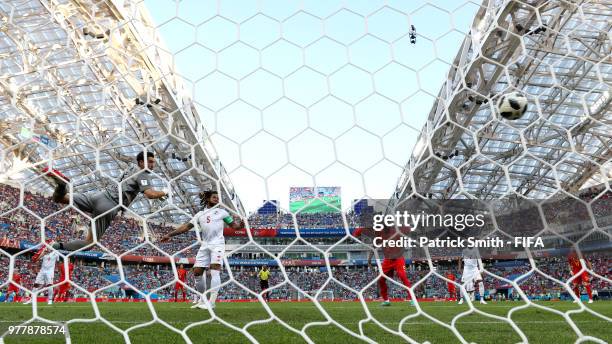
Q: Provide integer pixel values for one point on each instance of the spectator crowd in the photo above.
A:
(126, 236)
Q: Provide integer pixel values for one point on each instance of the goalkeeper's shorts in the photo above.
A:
(97, 204)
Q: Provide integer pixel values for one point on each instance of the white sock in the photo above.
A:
(215, 282)
(201, 286)
(481, 290)
(50, 294)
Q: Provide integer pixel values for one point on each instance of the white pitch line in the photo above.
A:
(371, 305)
(338, 303)
(385, 323)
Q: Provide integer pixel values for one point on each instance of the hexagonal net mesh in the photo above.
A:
(395, 103)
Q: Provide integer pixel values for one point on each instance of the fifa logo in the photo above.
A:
(528, 242)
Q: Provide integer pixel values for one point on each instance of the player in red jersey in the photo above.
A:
(64, 287)
(452, 288)
(182, 277)
(582, 278)
(13, 289)
(393, 262)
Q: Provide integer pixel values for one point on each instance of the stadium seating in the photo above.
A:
(126, 234)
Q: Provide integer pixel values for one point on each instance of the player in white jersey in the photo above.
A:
(210, 222)
(47, 271)
(472, 264)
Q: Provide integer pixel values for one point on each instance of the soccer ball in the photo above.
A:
(512, 106)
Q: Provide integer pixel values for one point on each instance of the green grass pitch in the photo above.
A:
(539, 325)
(316, 205)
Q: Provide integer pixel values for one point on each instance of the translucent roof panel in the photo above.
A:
(87, 94)
(558, 56)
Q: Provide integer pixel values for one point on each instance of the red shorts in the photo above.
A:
(451, 288)
(583, 277)
(178, 286)
(64, 287)
(391, 265)
(11, 288)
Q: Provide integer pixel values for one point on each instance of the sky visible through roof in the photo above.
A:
(303, 93)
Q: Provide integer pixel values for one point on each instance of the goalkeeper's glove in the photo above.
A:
(166, 191)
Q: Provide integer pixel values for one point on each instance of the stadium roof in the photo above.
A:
(558, 54)
(72, 74)
(65, 92)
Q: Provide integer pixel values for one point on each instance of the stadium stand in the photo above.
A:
(22, 229)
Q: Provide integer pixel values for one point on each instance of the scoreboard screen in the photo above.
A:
(314, 199)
